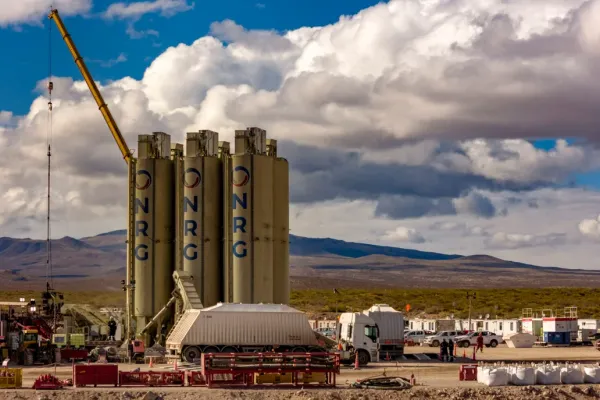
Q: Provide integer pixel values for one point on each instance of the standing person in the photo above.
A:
(479, 342)
(112, 329)
(450, 350)
(444, 349)
(130, 349)
(163, 334)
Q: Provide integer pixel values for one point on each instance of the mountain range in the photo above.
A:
(98, 261)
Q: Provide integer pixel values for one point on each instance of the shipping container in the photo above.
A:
(559, 324)
(562, 338)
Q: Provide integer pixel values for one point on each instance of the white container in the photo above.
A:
(547, 375)
(242, 325)
(571, 375)
(591, 374)
(520, 340)
(522, 376)
(556, 324)
(495, 377)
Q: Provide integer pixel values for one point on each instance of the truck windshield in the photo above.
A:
(371, 332)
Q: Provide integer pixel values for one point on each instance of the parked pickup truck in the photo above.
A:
(435, 340)
(490, 339)
(414, 336)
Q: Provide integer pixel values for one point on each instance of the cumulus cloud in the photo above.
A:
(436, 128)
(590, 228)
(403, 234)
(35, 11)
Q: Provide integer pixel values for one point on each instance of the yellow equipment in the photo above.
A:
(112, 125)
(11, 378)
(127, 156)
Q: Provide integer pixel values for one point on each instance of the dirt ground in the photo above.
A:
(435, 380)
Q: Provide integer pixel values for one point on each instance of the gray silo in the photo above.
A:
(202, 209)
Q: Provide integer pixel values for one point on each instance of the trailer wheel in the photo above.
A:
(211, 349)
(363, 357)
(298, 350)
(191, 353)
(228, 349)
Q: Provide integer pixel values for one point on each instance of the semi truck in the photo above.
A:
(376, 333)
(237, 328)
(390, 324)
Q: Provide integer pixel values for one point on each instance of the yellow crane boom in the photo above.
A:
(112, 125)
(127, 155)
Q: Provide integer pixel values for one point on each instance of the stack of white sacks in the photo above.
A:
(537, 374)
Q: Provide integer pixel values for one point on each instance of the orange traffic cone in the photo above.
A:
(474, 351)
(176, 369)
(151, 363)
(387, 356)
(356, 363)
(413, 381)
(464, 353)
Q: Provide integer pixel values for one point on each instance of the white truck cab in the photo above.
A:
(360, 332)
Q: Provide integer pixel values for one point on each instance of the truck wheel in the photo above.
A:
(191, 353)
(228, 349)
(298, 350)
(363, 357)
(436, 343)
(494, 343)
(466, 344)
(211, 349)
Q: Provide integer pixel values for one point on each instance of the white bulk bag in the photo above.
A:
(482, 373)
(591, 374)
(570, 375)
(522, 376)
(495, 377)
(547, 375)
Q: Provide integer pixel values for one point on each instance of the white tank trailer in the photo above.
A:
(390, 324)
(233, 328)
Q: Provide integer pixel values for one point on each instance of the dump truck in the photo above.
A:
(245, 328)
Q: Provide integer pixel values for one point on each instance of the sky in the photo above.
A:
(456, 126)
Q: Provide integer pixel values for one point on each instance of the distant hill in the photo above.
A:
(99, 262)
(303, 246)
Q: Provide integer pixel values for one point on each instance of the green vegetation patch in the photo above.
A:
(503, 303)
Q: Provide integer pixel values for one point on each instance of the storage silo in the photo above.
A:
(226, 223)
(154, 221)
(281, 226)
(252, 218)
(202, 210)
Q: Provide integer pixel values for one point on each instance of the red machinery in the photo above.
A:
(239, 368)
(47, 382)
(468, 372)
(95, 374)
(152, 378)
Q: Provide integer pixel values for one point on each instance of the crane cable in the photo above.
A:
(49, 274)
